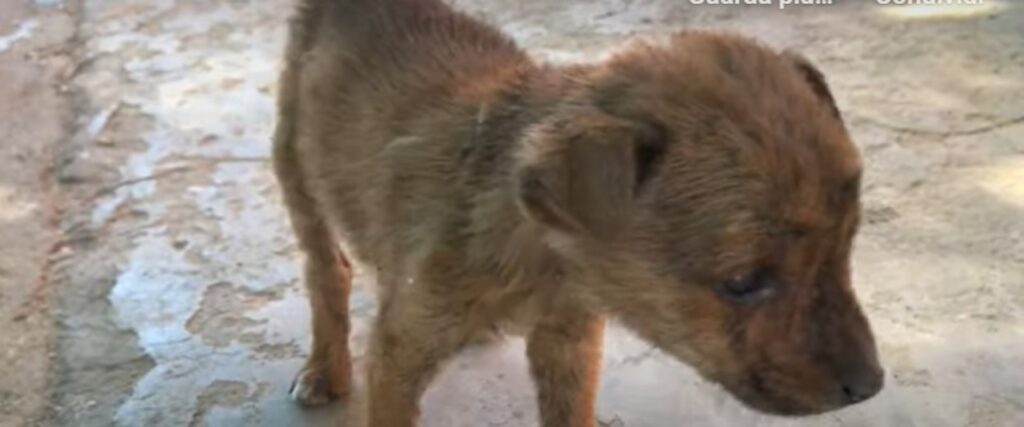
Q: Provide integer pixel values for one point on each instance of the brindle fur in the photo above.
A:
(492, 192)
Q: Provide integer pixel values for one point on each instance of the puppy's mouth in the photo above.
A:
(758, 394)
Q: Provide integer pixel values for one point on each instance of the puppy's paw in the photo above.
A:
(315, 386)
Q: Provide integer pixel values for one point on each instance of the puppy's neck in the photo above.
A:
(502, 239)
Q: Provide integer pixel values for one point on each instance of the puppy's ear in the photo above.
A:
(580, 170)
(815, 79)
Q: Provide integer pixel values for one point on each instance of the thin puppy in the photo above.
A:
(704, 193)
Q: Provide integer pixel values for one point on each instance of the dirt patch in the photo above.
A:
(220, 393)
(34, 117)
(221, 315)
(225, 394)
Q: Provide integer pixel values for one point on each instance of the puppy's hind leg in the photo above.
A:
(327, 372)
(328, 274)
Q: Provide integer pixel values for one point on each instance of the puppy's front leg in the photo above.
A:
(565, 360)
(414, 335)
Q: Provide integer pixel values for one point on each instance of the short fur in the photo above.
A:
(492, 192)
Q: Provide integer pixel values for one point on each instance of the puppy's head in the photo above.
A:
(706, 194)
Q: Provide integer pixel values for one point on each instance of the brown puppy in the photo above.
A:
(703, 193)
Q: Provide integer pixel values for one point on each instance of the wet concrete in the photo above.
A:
(177, 287)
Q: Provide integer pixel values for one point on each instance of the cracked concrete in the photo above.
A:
(174, 284)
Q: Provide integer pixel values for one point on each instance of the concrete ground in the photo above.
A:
(148, 277)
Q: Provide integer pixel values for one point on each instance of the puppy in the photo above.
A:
(704, 193)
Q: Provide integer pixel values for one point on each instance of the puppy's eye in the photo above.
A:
(751, 287)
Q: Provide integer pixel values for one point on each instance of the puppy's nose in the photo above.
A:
(861, 386)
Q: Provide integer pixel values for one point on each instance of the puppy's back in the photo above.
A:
(386, 91)
(402, 47)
